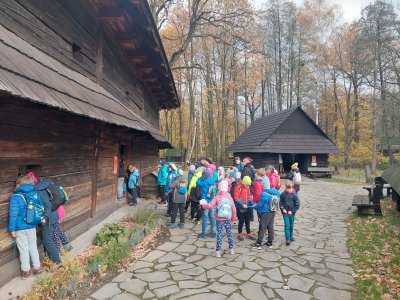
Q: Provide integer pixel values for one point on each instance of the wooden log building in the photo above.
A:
(81, 86)
(282, 138)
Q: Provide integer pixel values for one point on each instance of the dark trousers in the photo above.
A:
(175, 208)
(170, 197)
(161, 192)
(50, 248)
(243, 219)
(195, 210)
(188, 202)
(59, 236)
(134, 195)
(251, 215)
(266, 222)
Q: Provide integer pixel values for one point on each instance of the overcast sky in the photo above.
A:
(351, 8)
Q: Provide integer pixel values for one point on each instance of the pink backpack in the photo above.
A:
(61, 213)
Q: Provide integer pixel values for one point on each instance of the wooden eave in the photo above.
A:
(130, 26)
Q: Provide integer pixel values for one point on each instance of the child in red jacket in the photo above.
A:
(243, 199)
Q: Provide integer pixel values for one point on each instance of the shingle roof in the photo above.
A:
(264, 136)
(392, 176)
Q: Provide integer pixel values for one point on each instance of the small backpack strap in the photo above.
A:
(23, 197)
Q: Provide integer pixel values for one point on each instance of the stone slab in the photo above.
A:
(107, 291)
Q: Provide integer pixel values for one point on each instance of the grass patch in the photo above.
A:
(145, 216)
(374, 245)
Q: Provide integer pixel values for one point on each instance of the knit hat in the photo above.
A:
(162, 162)
(192, 168)
(173, 166)
(238, 175)
(206, 174)
(179, 172)
(223, 186)
(200, 169)
(266, 183)
(232, 174)
(246, 180)
(294, 166)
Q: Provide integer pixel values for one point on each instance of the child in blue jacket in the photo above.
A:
(207, 185)
(267, 216)
(24, 233)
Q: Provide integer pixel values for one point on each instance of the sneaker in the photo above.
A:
(194, 220)
(25, 274)
(130, 204)
(232, 251)
(171, 225)
(217, 254)
(67, 247)
(287, 242)
(213, 235)
(37, 271)
(250, 237)
(181, 225)
(201, 236)
(292, 239)
(268, 244)
(167, 215)
(256, 246)
(198, 222)
(240, 237)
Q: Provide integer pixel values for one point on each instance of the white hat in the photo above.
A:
(223, 186)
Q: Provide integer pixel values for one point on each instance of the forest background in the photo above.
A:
(234, 62)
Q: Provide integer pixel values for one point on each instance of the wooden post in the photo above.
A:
(99, 55)
(95, 163)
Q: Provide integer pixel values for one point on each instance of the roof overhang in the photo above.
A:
(131, 27)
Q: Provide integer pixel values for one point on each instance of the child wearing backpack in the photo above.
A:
(25, 212)
(133, 178)
(224, 215)
(266, 207)
(178, 200)
(295, 176)
(207, 185)
(243, 201)
(289, 205)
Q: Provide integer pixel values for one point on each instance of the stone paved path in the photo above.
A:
(315, 266)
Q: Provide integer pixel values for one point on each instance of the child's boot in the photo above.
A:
(172, 225)
(217, 254)
(181, 225)
(232, 251)
(250, 237)
(240, 237)
(213, 235)
(67, 247)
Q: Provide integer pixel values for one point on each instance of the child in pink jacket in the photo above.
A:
(225, 214)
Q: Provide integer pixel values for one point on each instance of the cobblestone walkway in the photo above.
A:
(315, 266)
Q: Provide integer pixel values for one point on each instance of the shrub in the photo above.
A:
(112, 233)
(145, 216)
(109, 255)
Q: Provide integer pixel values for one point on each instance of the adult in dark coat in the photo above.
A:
(248, 169)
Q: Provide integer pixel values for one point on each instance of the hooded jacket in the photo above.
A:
(133, 178)
(214, 203)
(178, 190)
(205, 184)
(264, 205)
(190, 176)
(274, 179)
(193, 181)
(257, 190)
(162, 175)
(248, 170)
(17, 210)
(50, 215)
(170, 179)
(212, 168)
(242, 195)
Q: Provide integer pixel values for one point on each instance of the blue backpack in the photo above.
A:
(212, 192)
(224, 208)
(34, 207)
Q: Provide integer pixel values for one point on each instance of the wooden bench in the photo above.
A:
(320, 172)
(366, 202)
(388, 188)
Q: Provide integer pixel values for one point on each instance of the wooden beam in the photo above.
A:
(107, 13)
(99, 55)
(95, 163)
(128, 37)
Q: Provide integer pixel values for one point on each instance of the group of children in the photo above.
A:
(22, 227)
(221, 197)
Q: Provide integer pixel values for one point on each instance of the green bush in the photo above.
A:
(112, 233)
(109, 255)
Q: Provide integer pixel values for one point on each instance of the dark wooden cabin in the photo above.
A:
(282, 138)
(81, 86)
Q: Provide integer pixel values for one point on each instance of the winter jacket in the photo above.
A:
(231, 188)
(257, 190)
(205, 185)
(17, 210)
(133, 178)
(50, 215)
(290, 202)
(170, 179)
(193, 181)
(162, 175)
(239, 167)
(178, 190)
(264, 204)
(242, 195)
(214, 203)
(274, 179)
(190, 176)
(248, 170)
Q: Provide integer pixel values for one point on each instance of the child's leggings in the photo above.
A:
(220, 233)
(59, 237)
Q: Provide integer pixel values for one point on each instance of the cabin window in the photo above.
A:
(77, 52)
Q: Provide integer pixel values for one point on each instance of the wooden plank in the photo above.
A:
(95, 163)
